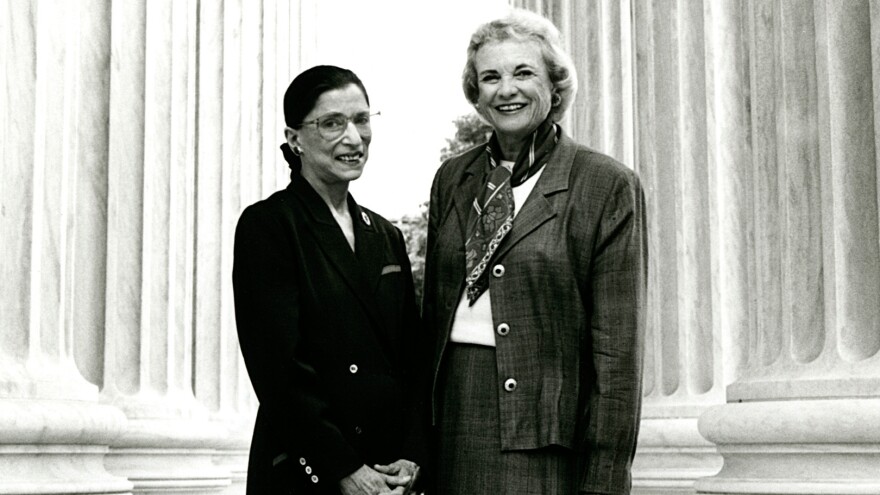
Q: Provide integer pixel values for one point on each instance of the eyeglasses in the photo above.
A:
(333, 125)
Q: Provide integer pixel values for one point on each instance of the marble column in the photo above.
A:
(168, 444)
(804, 413)
(235, 41)
(249, 53)
(685, 361)
(54, 432)
(645, 99)
(133, 135)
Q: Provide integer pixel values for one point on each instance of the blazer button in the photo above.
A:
(314, 479)
(353, 368)
(358, 430)
(503, 329)
(302, 461)
(498, 271)
(510, 384)
(308, 469)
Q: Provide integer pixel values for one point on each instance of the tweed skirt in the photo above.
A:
(470, 460)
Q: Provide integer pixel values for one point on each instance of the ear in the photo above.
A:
(292, 137)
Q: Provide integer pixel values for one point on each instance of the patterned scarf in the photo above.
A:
(492, 215)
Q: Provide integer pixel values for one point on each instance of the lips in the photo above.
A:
(350, 157)
(510, 107)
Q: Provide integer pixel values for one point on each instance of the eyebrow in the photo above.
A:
(342, 114)
(518, 67)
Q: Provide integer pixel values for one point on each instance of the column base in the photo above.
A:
(57, 469)
(169, 471)
(170, 457)
(232, 454)
(58, 447)
(236, 463)
(804, 447)
(671, 455)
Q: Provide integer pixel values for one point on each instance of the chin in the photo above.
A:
(353, 175)
(513, 127)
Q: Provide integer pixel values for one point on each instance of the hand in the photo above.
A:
(398, 471)
(366, 481)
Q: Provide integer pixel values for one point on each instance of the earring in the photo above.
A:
(556, 99)
(297, 150)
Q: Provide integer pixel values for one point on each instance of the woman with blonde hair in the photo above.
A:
(534, 286)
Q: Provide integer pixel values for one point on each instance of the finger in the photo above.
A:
(396, 480)
(387, 469)
(397, 491)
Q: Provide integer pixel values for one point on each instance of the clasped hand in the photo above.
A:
(390, 479)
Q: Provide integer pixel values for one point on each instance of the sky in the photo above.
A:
(410, 55)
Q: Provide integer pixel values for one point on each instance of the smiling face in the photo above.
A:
(514, 87)
(337, 161)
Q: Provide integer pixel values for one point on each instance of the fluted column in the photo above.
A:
(646, 98)
(54, 434)
(684, 362)
(148, 346)
(249, 53)
(804, 414)
(232, 39)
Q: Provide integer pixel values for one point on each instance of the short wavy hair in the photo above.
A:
(523, 25)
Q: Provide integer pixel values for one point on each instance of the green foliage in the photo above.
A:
(415, 233)
(470, 131)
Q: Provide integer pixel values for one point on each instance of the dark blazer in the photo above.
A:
(326, 336)
(569, 281)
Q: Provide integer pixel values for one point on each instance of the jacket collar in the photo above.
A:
(361, 270)
(537, 210)
(544, 202)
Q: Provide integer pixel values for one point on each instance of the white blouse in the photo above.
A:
(473, 324)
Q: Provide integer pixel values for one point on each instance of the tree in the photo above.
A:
(415, 233)
(470, 131)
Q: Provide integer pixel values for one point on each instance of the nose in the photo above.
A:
(507, 87)
(351, 134)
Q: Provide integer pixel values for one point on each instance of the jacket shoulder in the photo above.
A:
(456, 164)
(267, 208)
(602, 168)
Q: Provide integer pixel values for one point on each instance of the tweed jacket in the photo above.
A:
(326, 335)
(568, 281)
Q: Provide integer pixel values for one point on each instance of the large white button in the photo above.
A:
(358, 430)
(308, 469)
(302, 461)
(503, 329)
(498, 271)
(510, 384)
(314, 479)
(353, 368)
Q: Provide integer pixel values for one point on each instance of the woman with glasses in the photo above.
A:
(325, 310)
(534, 283)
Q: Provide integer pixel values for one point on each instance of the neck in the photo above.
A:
(511, 145)
(335, 195)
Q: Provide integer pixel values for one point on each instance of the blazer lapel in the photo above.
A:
(467, 188)
(539, 208)
(332, 242)
(369, 245)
